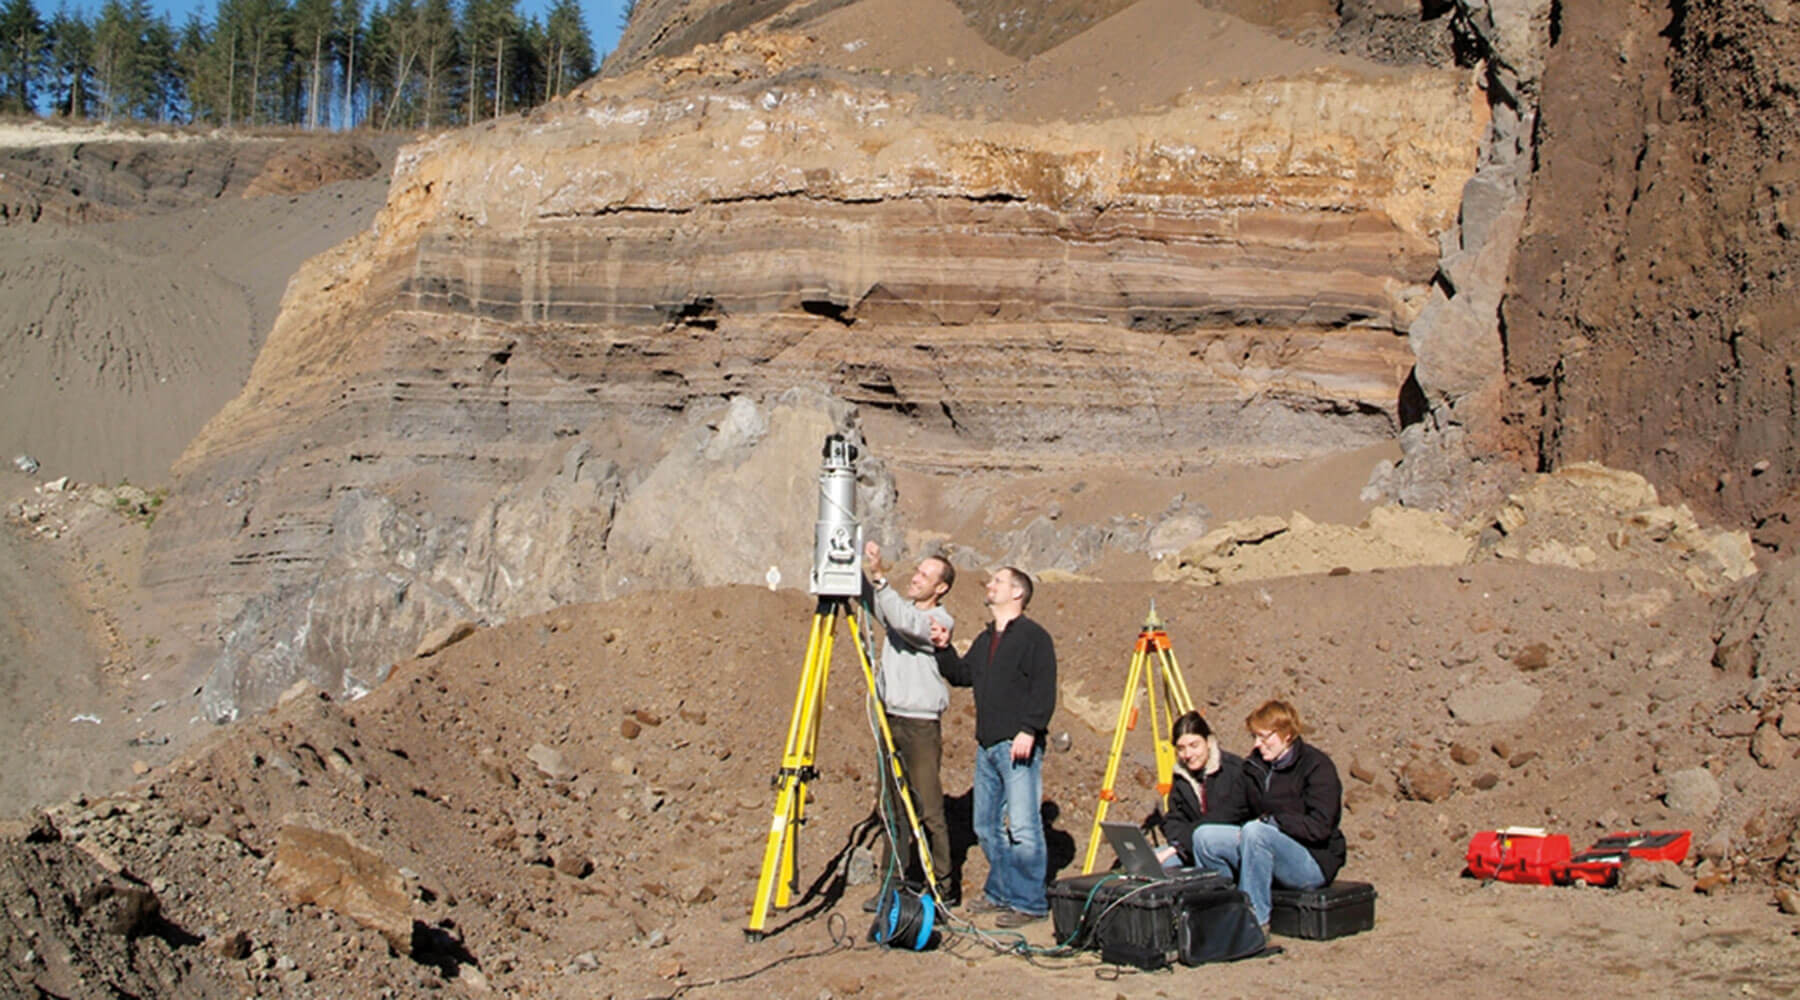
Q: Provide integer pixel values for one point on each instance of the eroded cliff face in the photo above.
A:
(1651, 322)
(508, 393)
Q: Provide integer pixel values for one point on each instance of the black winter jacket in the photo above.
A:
(1227, 800)
(1014, 680)
(1304, 798)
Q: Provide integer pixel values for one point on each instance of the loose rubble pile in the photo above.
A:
(1584, 516)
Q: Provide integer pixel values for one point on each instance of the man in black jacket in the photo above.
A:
(1012, 667)
(1297, 798)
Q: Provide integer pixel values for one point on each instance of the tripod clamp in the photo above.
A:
(805, 775)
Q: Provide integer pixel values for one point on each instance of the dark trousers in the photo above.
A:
(920, 744)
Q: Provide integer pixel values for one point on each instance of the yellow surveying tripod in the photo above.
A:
(1152, 641)
(837, 576)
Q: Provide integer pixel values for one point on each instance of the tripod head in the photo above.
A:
(837, 535)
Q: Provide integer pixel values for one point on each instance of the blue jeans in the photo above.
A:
(1011, 831)
(1259, 856)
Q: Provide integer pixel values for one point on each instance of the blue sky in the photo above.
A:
(602, 16)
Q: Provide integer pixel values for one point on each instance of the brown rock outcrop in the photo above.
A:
(1658, 265)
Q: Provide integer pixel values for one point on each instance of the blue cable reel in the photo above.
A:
(904, 919)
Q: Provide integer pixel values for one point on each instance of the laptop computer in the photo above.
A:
(1136, 855)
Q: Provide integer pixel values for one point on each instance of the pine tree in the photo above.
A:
(489, 32)
(161, 94)
(253, 32)
(72, 62)
(22, 56)
(202, 64)
(568, 49)
(314, 25)
(437, 60)
(350, 35)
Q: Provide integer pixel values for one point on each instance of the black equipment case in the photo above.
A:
(1321, 914)
(1136, 921)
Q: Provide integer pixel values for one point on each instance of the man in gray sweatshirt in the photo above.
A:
(915, 696)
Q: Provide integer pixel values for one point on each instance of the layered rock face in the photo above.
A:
(511, 392)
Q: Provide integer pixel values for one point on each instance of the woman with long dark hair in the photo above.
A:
(1209, 787)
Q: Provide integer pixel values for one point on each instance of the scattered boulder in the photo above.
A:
(1464, 754)
(1533, 657)
(1692, 792)
(1734, 724)
(1505, 701)
(1173, 534)
(1426, 781)
(571, 862)
(1760, 632)
(1637, 874)
(330, 870)
(550, 762)
(1588, 516)
(1768, 746)
(491, 764)
(859, 868)
(119, 906)
(1268, 546)
(235, 946)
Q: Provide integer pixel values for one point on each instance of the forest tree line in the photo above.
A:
(307, 63)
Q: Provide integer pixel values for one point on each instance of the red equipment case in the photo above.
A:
(1600, 863)
(1517, 856)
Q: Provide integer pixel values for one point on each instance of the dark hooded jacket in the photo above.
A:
(1220, 793)
(1302, 795)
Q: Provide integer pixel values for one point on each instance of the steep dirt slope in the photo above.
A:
(142, 277)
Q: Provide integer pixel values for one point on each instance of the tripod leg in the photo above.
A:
(1162, 726)
(892, 757)
(775, 883)
(1182, 701)
(1176, 702)
(1127, 720)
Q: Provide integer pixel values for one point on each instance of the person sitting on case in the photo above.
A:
(1209, 788)
(1297, 799)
